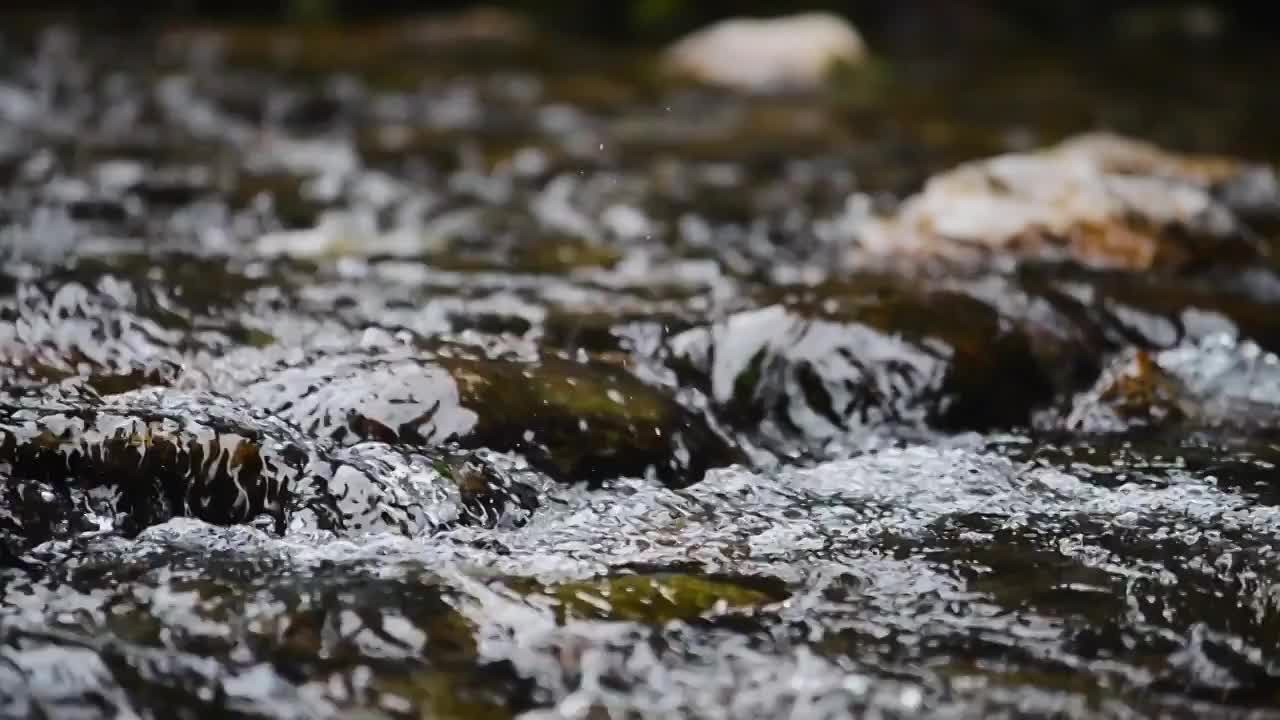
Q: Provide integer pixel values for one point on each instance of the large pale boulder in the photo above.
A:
(767, 55)
(1098, 200)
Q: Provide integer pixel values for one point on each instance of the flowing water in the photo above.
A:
(455, 371)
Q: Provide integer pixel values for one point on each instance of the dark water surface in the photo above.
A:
(382, 374)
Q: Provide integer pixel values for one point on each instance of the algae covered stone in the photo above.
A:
(657, 598)
(576, 420)
(143, 458)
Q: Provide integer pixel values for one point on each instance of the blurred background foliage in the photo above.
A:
(654, 21)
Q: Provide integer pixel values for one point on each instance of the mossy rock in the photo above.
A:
(490, 692)
(576, 420)
(144, 458)
(328, 619)
(586, 421)
(656, 598)
(142, 467)
(387, 636)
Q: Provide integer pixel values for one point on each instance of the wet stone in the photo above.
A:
(658, 598)
(454, 367)
(841, 357)
(786, 53)
(1118, 310)
(1156, 460)
(122, 320)
(1096, 200)
(312, 655)
(576, 420)
(1133, 392)
(140, 459)
(1215, 383)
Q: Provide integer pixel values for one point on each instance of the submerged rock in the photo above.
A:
(576, 420)
(143, 458)
(658, 598)
(1097, 200)
(197, 634)
(122, 322)
(838, 358)
(1110, 311)
(1230, 461)
(332, 281)
(794, 52)
(1215, 382)
(1133, 391)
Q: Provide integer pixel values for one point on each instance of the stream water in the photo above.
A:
(386, 374)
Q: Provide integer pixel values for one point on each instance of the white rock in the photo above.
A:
(1097, 199)
(762, 55)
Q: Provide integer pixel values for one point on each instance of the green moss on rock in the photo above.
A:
(657, 598)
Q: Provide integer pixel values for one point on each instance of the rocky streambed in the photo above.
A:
(444, 369)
